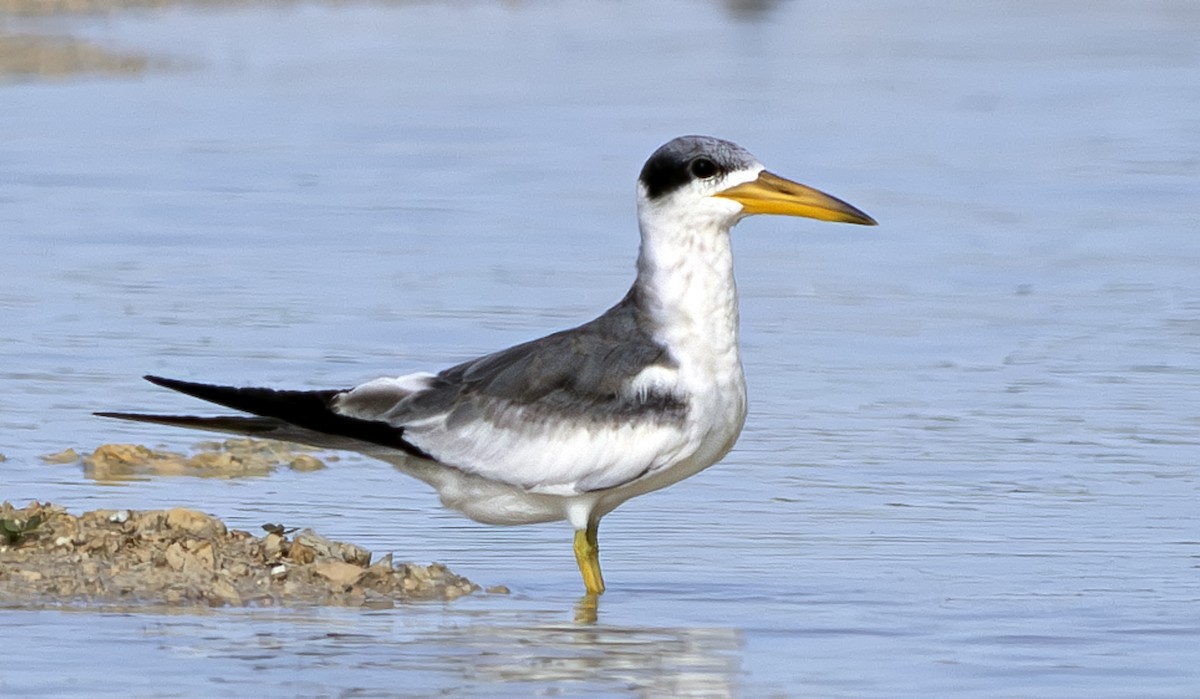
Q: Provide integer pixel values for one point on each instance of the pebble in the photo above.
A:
(231, 458)
(305, 463)
(338, 573)
(194, 522)
(66, 456)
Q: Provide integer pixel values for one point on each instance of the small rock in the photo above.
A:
(327, 548)
(418, 573)
(203, 553)
(382, 567)
(233, 458)
(148, 523)
(498, 590)
(193, 522)
(272, 546)
(120, 516)
(341, 574)
(176, 557)
(118, 462)
(224, 462)
(65, 456)
(305, 463)
(301, 553)
(116, 454)
(226, 592)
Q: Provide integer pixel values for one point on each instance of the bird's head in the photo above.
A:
(709, 183)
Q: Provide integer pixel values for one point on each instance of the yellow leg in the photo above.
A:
(587, 555)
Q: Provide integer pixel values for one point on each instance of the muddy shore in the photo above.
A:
(31, 56)
(181, 557)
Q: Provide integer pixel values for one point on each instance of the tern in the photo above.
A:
(569, 426)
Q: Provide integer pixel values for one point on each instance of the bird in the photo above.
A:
(571, 425)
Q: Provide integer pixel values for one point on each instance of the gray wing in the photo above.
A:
(564, 413)
(584, 409)
(581, 373)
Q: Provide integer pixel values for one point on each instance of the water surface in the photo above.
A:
(972, 462)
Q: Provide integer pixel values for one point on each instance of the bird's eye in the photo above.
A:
(703, 168)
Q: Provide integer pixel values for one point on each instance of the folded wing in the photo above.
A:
(569, 413)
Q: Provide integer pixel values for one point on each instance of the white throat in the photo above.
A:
(685, 272)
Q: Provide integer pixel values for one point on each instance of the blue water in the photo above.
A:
(972, 462)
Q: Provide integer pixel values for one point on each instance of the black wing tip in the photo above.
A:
(306, 410)
(115, 415)
(147, 417)
(218, 423)
(173, 384)
(250, 400)
(137, 417)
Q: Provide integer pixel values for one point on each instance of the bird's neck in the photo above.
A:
(688, 293)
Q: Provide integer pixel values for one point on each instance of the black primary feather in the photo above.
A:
(276, 409)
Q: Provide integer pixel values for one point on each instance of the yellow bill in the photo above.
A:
(772, 194)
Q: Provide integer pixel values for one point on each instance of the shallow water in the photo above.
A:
(973, 456)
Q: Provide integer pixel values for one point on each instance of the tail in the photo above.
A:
(294, 416)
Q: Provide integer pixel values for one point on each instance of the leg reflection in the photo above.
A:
(587, 609)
